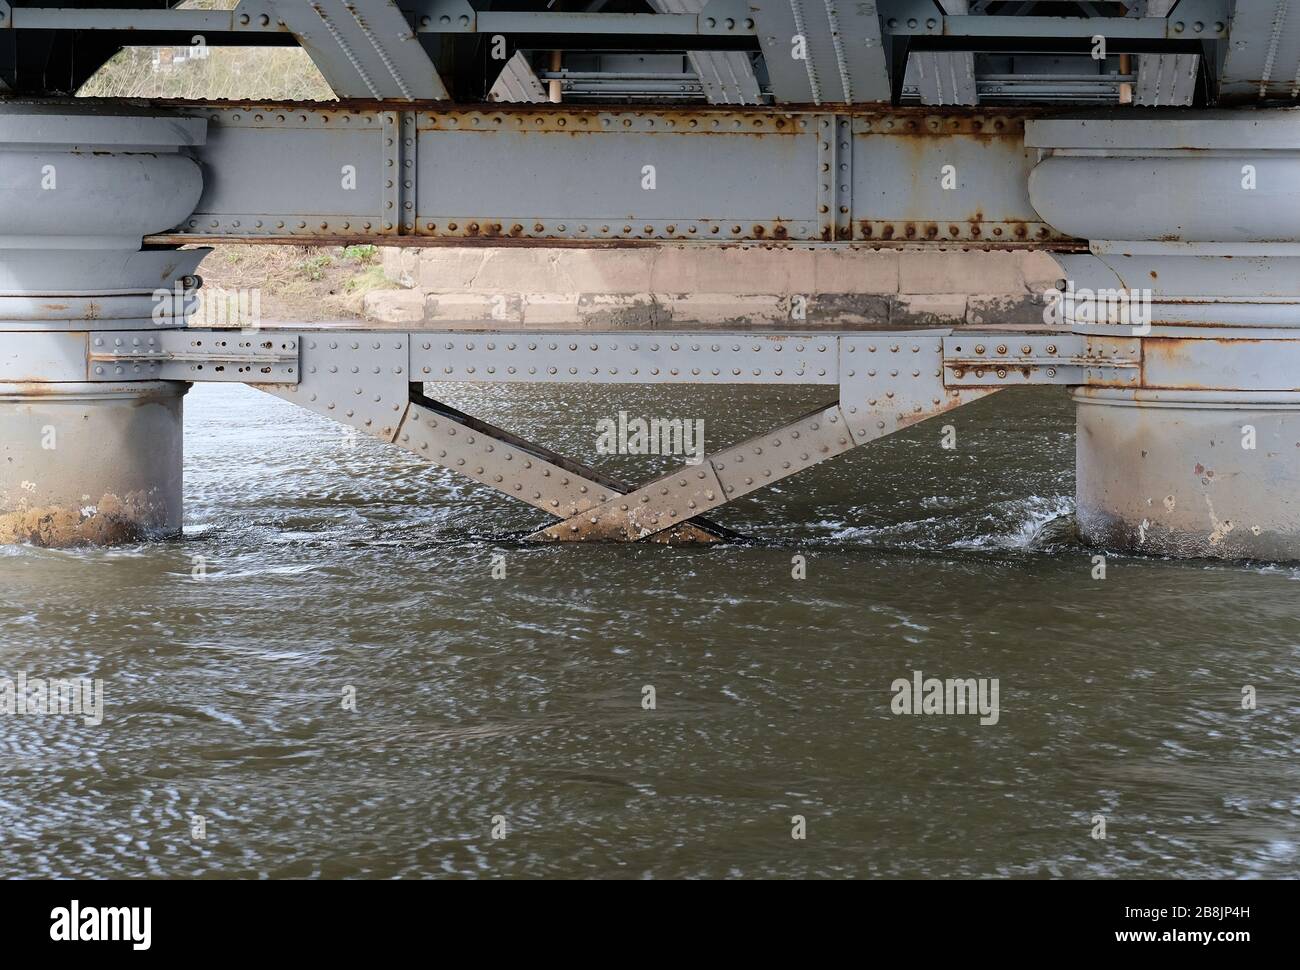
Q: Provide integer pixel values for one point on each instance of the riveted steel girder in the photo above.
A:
(525, 175)
(523, 470)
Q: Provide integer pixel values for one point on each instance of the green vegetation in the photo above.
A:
(304, 283)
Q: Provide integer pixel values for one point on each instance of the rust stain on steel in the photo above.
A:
(917, 126)
(1174, 351)
(686, 534)
(31, 387)
(864, 242)
(922, 122)
(349, 239)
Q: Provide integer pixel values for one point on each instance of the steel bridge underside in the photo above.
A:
(429, 175)
(375, 381)
(740, 52)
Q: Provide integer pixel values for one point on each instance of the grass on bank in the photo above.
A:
(299, 283)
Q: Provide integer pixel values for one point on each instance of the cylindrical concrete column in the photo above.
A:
(90, 463)
(1209, 474)
(1194, 228)
(86, 454)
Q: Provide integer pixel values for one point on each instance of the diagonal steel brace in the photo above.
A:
(523, 470)
(886, 385)
(694, 489)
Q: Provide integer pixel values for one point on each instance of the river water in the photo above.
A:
(500, 725)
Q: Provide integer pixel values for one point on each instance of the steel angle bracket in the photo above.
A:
(995, 360)
(193, 355)
(358, 379)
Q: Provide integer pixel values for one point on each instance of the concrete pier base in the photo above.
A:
(96, 464)
(1189, 474)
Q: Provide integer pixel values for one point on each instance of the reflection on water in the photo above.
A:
(325, 567)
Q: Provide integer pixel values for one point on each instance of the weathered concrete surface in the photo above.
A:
(1165, 473)
(111, 520)
(90, 464)
(680, 286)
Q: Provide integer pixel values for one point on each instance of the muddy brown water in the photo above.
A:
(514, 706)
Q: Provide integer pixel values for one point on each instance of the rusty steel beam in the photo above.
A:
(515, 174)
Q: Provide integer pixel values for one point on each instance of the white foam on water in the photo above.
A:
(1029, 522)
(1021, 524)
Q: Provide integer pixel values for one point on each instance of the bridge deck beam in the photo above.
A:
(429, 174)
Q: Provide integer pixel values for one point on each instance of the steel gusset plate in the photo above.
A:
(358, 379)
(890, 381)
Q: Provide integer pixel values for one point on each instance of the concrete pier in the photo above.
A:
(1194, 226)
(89, 461)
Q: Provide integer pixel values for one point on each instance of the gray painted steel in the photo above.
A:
(1010, 360)
(90, 463)
(1165, 79)
(508, 175)
(248, 357)
(727, 76)
(365, 50)
(822, 51)
(1166, 473)
(371, 49)
(518, 83)
(627, 358)
(1201, 459)
(1194, 214)
(891, 381)
(82, 462)
(944, 77)
(356, 378)
(1263, 59)
(694, 489)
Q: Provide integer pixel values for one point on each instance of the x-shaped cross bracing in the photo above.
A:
(374, 381)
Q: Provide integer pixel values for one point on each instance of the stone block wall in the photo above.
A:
(703, 287)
